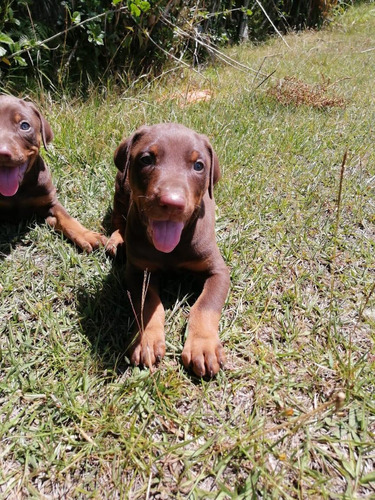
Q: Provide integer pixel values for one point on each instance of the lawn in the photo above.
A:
(293, 413)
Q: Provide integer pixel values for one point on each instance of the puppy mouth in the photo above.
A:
(166, 234)
(11, 178)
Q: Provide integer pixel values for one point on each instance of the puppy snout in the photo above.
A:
(173, 201)
(5, 152)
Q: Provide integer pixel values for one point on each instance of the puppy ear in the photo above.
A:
(45, 127)
(47, 134)
(215, 173)
(121, 156)
(122, 153)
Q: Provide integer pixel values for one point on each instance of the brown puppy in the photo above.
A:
(165, 212)
(25, 182)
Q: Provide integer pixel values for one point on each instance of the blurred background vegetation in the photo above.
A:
(77, 44)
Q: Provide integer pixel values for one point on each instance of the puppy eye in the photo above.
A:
(25, 126)
(147, 160)
(198, 166)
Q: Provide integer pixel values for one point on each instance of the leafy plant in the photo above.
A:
(69, 41)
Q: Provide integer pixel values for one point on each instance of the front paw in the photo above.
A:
(90, 240)
(147, 351)
(114, 242)
(205, 356)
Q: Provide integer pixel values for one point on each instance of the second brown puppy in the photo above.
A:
(164, 211)
(26, 186)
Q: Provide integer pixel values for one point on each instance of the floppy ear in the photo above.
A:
(122, 153)
(47, 134)
(215, 173)
(45, 127)
(121, 156)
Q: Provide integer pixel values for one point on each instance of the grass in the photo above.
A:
(293, 414)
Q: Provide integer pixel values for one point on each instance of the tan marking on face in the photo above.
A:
(154, 149)
(33, 151)
(194, 156)
(32, 155)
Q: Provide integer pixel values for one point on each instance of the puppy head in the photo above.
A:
(169, 168)
(125, 151)
(22, 117)
(22, 129)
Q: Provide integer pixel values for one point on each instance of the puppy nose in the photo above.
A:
(172, 200)
(5, 151)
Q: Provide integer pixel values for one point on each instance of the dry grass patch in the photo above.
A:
(291, 90)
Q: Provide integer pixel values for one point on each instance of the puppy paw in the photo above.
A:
(113, 243)
(148, 351)
(204, 356)
(89, 241)
(85, 239)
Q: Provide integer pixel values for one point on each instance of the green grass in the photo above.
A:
(298, 326)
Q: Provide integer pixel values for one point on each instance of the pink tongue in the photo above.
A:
(9, 180)
(166, 234)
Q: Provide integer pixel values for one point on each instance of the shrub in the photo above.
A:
(67, 42)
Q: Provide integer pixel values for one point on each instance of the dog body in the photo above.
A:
(165, 213)
(26, 186)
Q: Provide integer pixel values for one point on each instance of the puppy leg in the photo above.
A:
(60, 220)
(120, 210)
(148, 345)
(203, 352)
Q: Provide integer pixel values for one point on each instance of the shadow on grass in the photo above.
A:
(106, 318)
(11, 235)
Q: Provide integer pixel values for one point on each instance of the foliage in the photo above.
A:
(78, 41)
(73, 40)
